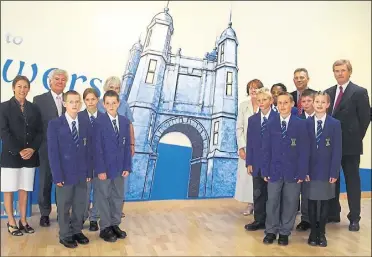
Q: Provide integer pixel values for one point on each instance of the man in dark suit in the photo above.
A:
(50, 106)
(300, 79)
(350, 105)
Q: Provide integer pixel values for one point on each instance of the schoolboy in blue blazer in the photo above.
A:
(286, 163)
(257, 129)
(112, 163)
(90, 114)
(69, 150)
(325, 163)
(275, 90)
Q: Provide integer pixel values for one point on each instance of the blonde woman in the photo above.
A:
(244, 183)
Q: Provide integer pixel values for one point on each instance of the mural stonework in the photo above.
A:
(198, 97)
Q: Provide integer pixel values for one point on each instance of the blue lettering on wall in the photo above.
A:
(44, 78)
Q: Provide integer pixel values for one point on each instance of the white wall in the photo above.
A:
(94, 38)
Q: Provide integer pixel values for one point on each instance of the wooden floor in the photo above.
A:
(190, 228)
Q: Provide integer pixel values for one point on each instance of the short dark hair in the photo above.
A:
(301, 70)
(284, 88)
(287, 94)
(19, 78)
(90, 90)
(70, 92)
(110, 93)
(307, 92)
(254, 82)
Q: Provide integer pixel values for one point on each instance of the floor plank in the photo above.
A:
(190, 228)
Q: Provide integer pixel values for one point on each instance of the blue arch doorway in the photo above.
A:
(172, 171)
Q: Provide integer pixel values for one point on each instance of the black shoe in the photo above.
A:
(93, 226)
(44, 221)
(283, 240)
(118, 232)
(303, 226)
(68, 242)
(27, 228)
(333, 220)
(255, 225)
(354, 226)
(313, 240)
(322, 240)
(14, 230)
(269, 238)
(80, 238)
(108, 235)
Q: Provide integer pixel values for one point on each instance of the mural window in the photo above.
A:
(151, 126)
(215, 132)
(229, 81)
(151, 72)
(222, 52)
(148, 38)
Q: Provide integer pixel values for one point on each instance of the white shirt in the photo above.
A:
(266, 116)
(307, 115)
(70, 120)
(286, 120)
(94, 114)
(117, 121)
(338, 91)
(58, 103)
(316, 122)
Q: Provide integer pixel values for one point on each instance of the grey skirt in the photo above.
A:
(319, 190)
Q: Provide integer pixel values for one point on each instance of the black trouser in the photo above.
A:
(313, 215)
(259, 198)
(350, 167)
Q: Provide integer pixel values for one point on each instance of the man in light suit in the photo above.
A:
(50, 106)
(350, 105)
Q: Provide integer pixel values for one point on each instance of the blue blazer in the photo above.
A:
(287, 158)
(254, 141)
(325, 161)
(68, 162)
(111, 157)
(84, 115)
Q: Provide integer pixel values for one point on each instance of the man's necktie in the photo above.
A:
(59, 105)
(299, 106)
(275, 108)
(319, 131)
(92, 120)
(75, 135)
(116, 129)
(263, 126)
(339, 98)
(284, 129)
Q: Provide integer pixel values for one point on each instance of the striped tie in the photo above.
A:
(284, 129)
(116, 129)
(263, 126)
(319, 131)
(75, 135)
(92, 119)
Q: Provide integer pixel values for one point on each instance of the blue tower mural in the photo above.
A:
(169, 92)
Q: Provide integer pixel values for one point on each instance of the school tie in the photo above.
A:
(284, 129)
(116, 129)
(339, 97)
(92, 120)
(75, 135)
(319, 131)
(263, 125)
(275, 109)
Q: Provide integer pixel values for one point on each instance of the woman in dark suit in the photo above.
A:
(21, 134)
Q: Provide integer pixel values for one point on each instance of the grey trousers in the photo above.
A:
(45, 184)
(109, 194)
(92, 213)
(71, 196)
(304, 204)
(281, 207)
